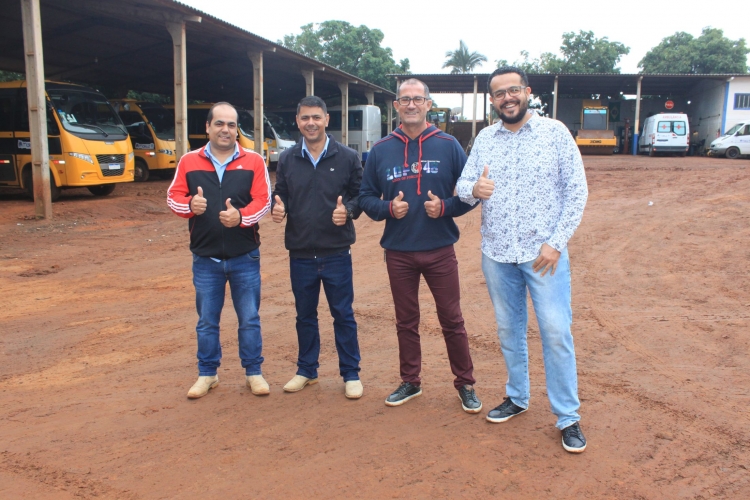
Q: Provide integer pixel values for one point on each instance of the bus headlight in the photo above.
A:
(83, 156)
(169, 152)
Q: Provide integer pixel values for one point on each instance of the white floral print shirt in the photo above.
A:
(540, 188)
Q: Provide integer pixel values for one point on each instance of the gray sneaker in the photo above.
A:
(469, 400)
(404, 393)
(507, 410)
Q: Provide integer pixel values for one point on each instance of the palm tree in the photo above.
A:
(463, 61)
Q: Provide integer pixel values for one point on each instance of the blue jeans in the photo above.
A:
(335, 272)
(210, 280)
(507, 284)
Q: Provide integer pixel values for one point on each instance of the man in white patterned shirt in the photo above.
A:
(528, 173)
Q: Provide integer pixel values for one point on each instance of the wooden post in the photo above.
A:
(344, 86)
(177, 31)
(474, 119)
(637, 120)
(309, 75)
(389, 105)
(370, 97)
(554, 101)
(32, 45)
(258, 111)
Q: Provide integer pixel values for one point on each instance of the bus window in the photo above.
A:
(355, 120)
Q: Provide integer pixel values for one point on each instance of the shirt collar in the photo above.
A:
(322, 154)
(207, 150)
(532, 122)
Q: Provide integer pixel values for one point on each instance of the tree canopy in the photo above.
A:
(354, 49)
(461, 60)
(711, 52)
(582, 52)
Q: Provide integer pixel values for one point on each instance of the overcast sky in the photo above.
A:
(424, 31)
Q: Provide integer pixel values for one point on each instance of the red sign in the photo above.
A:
(669, 104)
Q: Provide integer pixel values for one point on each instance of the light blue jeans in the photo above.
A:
(507, 285)
(210, 280)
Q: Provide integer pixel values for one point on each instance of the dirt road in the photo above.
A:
(97, 352)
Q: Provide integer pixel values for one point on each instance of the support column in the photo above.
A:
(177, 31)
(637, 120)
(37, 101)
(344, 86)
(554, 100)
(258, 111)
(370, 95)
(389, 105)
(474, 119)
(398, 117)
(485, 118)
(309, 75)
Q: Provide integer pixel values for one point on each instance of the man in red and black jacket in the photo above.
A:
(223, 190)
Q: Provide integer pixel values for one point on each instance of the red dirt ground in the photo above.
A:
(97, 350)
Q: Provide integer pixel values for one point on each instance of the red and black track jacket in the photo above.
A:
(245, 182)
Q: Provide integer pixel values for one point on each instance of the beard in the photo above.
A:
(523, 108)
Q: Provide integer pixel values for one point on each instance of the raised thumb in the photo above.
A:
(400, 196)
(338, 202)
(432, 196)
(229, 204)
(486, 171)
(200, 191)
(278, 200)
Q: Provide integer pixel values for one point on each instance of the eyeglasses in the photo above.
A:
(404, 101)
(511, 91)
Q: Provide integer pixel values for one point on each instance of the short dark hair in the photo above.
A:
(504, 70)
(312, 101)
(210, 116)
(413, 81)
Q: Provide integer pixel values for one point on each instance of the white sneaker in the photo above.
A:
(202, 385)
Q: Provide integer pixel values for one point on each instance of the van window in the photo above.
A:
(355, 120)
(676, 127)
(6, 114)
(162, 121)
(744, 131)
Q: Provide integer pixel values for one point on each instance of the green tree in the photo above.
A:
(354, 49)
(582, 52)
(711, 52)
(461, 60)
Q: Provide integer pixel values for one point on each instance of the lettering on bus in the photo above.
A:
(143, 146)
(24, 144)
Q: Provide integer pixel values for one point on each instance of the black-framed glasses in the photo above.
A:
(511, 91)
(404, 101)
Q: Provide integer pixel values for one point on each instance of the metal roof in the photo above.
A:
(574, 83)
(125, 45)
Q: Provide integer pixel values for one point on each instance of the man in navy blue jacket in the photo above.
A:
(409, 182)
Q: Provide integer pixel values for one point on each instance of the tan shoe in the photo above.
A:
(257, 385)
(354, 389)
(202, 385)
(298, 383)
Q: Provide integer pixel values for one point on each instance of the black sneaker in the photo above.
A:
(404, 393)
(507, 410)
(469, 400)
(572, 439)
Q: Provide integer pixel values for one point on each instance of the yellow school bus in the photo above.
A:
(88, 143)
(197, 114)
(151, 129)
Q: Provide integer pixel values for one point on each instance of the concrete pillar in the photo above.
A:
(258, 111)
(554, 100)
(344, 86)
(370, 97)
(309, 75)
(637, 121)
(177, 31)
(474, 118)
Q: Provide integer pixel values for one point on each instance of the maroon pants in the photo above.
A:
(440, 270)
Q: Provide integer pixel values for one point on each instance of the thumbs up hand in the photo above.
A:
(198, 203)
(484, 187)
(434, 207)
(279, 211)
(399, 207)
(231, 216)
(339, 213)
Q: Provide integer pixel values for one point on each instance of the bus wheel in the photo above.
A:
(141, 170)
(732, 153)
(102, 190)
(28, 183)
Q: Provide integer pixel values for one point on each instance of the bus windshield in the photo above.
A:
(162, 121)
(86, 114)
(247, 124)
(280, 127)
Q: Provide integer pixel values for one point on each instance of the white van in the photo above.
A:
(734, 143)
(665, 133)
(277, 142)
(364, 127)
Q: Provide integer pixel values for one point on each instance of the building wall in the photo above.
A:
(706, 111)
(740, 85)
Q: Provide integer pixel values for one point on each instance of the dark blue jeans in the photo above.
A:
(210, 280)
(335, 272)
